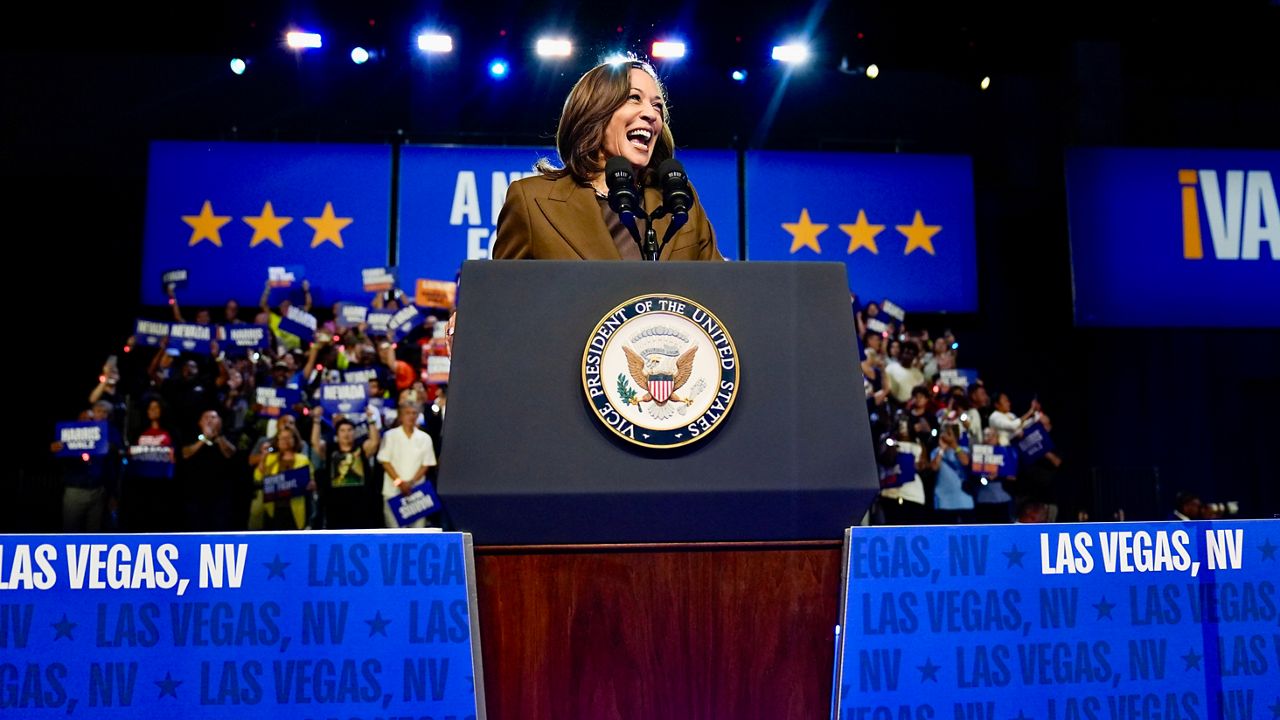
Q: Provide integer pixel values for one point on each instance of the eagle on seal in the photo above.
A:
(660, 376)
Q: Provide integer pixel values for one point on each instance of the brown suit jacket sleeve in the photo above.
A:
(514, 232)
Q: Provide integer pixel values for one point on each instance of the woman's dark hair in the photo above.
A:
(587, 111)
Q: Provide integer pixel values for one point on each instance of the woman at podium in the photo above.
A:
(563, 213)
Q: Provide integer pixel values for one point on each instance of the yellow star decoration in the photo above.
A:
(206, 225)
(804, 233)
(862, 234)
(919, 235)
(327, 226)
(266, 227)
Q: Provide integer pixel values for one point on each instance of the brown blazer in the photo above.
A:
(560, 220)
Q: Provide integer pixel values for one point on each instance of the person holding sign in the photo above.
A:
(614, 110)
(407, 453)
(287, 339)
(285, 454)
(951, 461)
(348, 497)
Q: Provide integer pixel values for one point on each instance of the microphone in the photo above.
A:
(676, 196)
(623, 198)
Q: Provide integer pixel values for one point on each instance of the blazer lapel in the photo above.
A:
(574, 213)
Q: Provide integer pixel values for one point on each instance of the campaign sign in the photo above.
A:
(299, 322)
(404, 321)
(416, 505)
(176, 278)
(1034, 443)
(892, 310)
(275, 401)
(993, 461)
(79, 438)
(876, 325)
(378, 279)
(378, 320)
(189, 337)
(150, 461)
(350, 315)
(150, 332)
(285, 485)
(360, 375)
(285, 276)
(438, 367)
(248, 337)
(240, 626)
(958, 377)
(904, 472)
(347, 398)
(435, 293)
(1176, 621)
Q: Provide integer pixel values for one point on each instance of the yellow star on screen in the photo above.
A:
(327, 226)
(206, 225)
(266, 227)
(804, 233)
(919, 235)
(862, 234)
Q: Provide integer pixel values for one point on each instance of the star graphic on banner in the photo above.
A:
(928, 671)
(327, 226)
(1268, 550)
(919, 235)
(862, 234)
(206, 225)
(64, 628)
(804, 233)
(1104, 608)
(168, 686)
(266, 227)
(1192, 659)
(276, 567)
(378, 624)
(1014, 555)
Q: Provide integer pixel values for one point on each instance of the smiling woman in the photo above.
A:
(614, 110)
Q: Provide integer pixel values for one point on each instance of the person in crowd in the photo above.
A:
(284, 453)
(903, 374)
(903, 502)
(406, 456)
(350, 480)
(950, 460)
(993, 500)
(215, 494)
(563, 213)
(923, 419)
(1033, 511)
(285, 421)
(1186, 506)
(286, 339)
(872, 310)
(91, 482)
(980, 401)
(1007, 425)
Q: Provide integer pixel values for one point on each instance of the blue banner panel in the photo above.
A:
(902, 224)
(82, 438)
(1174, 238)
(1177, 621)
(239, 626)
(345, 398)
(714, 176)
(228, 211)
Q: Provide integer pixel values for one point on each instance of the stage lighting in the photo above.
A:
(359, 55)
(498, 69)
(668, 49)
(795, 53)
(435, 43)
(873, 71)
(238, 66)
(615, 59)
(739, 75)
(986, 82)
(299, 40)
(553, 47)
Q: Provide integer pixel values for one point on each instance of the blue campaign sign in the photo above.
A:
(360, 375)
(349, 398)
(248, 337)
(176, 278)
(150, 461)
(285, 276)
(1174, 238)
(288, 484)
(378, 320)
(1176, 621)
(240, 626)
(1035, 443)
(404, 321)
(189, 337)
(893, 220)
(234, 209)
(418, 504)
(378, 279)
(150, 332)
(275, 401)
(904, 471)
(299, 322)
(993, 461)
(79, 438)
(958, 377)
(350, 315)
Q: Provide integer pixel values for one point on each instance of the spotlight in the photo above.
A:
(498, 68)
(791, 53)
(986, 82)
(553, 47)
(615, 59)
(873, 71)
(238, 66)
(299, 40)
(435, 43)
(359, 55)
(668, 49)
(739, 75)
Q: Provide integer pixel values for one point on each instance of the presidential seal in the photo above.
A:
(660, 371)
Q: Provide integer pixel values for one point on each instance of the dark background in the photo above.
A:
(1138, 413)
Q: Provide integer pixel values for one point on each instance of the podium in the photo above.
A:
(527, 461)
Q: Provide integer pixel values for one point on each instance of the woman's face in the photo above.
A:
(285, 441)
(634, 129)
(895, 347)
(153, 411)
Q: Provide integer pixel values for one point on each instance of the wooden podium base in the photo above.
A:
(659, 632)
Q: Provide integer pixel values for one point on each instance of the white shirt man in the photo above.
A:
(406, 455)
